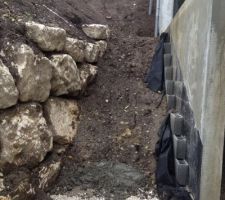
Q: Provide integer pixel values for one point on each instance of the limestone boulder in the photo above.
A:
(92, 52)
(88, 73)
(48, 173)
(63, 118)
(24, 135)
(96, 31)
(47, 38)
(66, 77)
(102, 47)
(33, 75)
(75, 48)
(8, 91)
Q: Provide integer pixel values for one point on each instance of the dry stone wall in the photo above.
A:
(36, 122)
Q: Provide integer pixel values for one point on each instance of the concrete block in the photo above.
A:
(181, 171)
(169, 87)
(167, 48)
(168, 73)
(178, 89)
(167, 59)
(180, 147)
(171, 102)
(177, 124)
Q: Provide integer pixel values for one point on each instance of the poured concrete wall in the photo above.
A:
(198, 40)
(165, 15)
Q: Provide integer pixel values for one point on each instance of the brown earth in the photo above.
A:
(119, 115)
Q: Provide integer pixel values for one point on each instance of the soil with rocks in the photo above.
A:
(119, 115)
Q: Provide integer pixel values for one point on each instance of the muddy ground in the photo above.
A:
(119, 115)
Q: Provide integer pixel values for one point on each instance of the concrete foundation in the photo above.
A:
(198, 46)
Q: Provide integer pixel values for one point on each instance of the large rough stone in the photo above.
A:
(66, 77)
(63, 117)
(47, 38)
(33, 75)
(92, 52)
(88, 73)
(24, 135)
(75, 48)
(48, 173)
(102, 47)
(96, 31)
(8, 91)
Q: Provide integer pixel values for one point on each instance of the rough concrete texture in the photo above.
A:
(66, 77)
(75, 48)
(47, 38)
(33, 75)
(88, 73)
(96, 31)
(8, 91)
(92, 52)
(202, 65)
(25, 137)
(63, 117)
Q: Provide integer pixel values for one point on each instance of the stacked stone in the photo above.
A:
(34, 118)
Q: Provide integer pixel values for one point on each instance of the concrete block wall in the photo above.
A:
(195, 83)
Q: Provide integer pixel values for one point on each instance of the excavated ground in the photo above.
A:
(119, 115)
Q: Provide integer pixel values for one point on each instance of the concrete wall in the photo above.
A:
(164, 13)
(198, 40)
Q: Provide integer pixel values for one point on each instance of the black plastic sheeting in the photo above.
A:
(155, 76)
(165, 171)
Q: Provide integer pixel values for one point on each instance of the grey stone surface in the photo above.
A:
(8, 91)
(88, 73)
(75, 48)
(48, 173)
(102, 47)
(63, 118)
(47, 38)
(181, 170)
(66, 77)
(167, 59)
(177, 124)
(92, 52)
(34, 74)
(24, 135)
(180, 147)
(168, 73)
(171, 102)
(96, 31)
(167, 48)
(169, 85)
